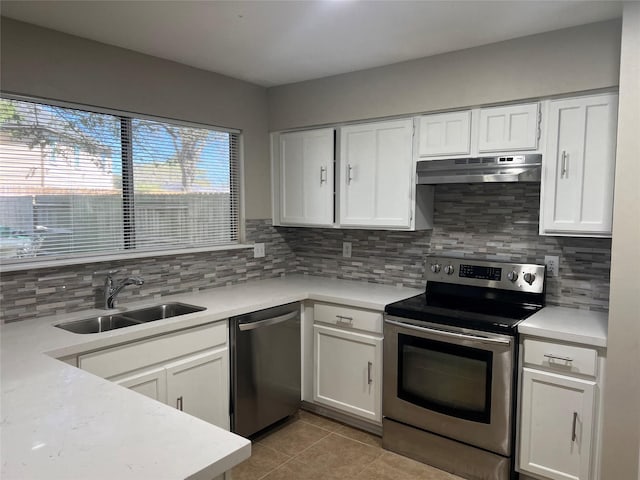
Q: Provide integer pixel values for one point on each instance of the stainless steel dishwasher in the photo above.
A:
(265, 367)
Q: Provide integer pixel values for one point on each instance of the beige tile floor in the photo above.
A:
(310, 447)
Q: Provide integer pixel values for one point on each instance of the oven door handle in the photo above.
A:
(445, 333)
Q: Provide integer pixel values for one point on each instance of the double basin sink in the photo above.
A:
(104, 323)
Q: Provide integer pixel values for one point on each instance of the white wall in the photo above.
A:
(44, 63)
(621, 433)
(568, 60)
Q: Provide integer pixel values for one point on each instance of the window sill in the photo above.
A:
(22, 266)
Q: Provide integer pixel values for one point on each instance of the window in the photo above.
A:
(76, 183)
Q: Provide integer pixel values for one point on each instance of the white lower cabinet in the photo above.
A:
(560, 410)
(348, 371)
(557, 425)
(188, 370)
(199, 386)
(151, 383)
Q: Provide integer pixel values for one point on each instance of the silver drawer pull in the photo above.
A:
(344, 321)
(369, 367)
(573, 428)
(179, 403)
(551, 356)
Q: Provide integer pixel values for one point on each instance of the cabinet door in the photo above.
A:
(579, 166)
(376, 174)
(445, 134)
(199, 385)
(348, 372)
(306, 177)
(151, 383)
(513, 127)
(556, 425)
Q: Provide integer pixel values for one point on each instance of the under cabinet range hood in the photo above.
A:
(512, 168)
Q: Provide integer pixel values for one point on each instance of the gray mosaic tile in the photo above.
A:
(498, 221)
(492, 221)
(47, 291)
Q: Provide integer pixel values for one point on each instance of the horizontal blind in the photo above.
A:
(183, 181)
(60, 183)
(79, 183)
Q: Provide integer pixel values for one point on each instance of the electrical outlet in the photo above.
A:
(346, 249)
(258, 250)
(553, 265)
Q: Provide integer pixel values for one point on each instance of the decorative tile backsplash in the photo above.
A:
(48, 291)
(496, 221)
(493, 221)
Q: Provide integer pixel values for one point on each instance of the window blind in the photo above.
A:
(80, 183)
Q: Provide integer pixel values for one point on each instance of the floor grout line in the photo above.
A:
(293, 457)
(328, 433)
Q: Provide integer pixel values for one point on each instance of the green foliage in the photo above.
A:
(8, 112)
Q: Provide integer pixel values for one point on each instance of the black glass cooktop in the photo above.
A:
(486, 312)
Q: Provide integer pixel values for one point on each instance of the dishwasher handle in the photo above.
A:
(243, 327)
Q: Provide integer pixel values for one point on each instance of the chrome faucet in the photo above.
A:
(112, 288)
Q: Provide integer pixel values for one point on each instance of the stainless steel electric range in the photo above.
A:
(450, 365)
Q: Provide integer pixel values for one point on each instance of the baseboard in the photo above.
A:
(341, 417)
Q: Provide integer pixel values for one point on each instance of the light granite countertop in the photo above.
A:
(59, 422)
(568, 324)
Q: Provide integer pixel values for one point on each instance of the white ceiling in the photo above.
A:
(277, 42)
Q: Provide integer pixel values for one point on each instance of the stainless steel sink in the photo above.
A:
(159, 312)
(103, 323)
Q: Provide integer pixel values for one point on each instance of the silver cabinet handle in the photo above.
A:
(551, 356)
(349, 177)
(323, 175)
(369, 379)
(265, 323)
(179, 403)
(573, 428)
(564, 164)
(344, 321)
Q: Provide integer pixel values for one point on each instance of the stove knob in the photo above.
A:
(448, 269)
(512, 275)
(529, 278)
(435, 268)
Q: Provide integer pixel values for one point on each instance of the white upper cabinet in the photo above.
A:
(509, 128)
(445, 134)
(578, 168)
(306, 177)
(376, 174)
(480, 131)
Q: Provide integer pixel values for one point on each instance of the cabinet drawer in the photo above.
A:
(566, 358)
(144, 353)
(348, 317)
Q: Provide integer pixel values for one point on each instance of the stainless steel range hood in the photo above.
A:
(512, 168)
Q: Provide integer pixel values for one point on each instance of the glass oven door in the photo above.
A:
(450, 381)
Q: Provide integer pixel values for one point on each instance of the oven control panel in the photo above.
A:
(520, 277)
